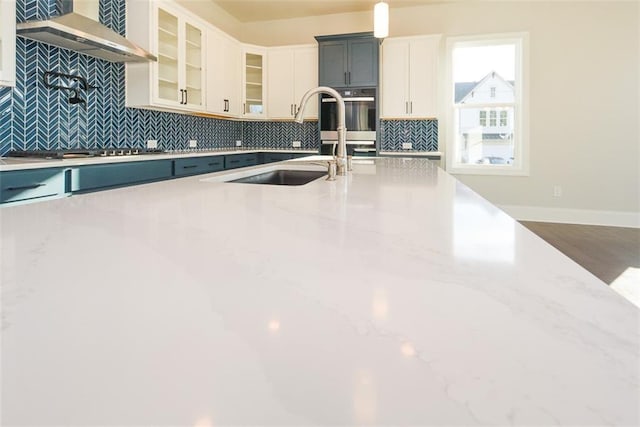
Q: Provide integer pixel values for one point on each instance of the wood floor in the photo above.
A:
(606, 252)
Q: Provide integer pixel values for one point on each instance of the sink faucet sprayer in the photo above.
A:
(341, 157)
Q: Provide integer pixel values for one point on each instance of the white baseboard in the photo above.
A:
(573, 216)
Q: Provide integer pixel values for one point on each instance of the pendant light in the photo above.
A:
(381, 20)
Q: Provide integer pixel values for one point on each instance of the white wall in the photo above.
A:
(584, 94)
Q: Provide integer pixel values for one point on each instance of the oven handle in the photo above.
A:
(354, 99)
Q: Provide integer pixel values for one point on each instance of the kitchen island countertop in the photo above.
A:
(393, 296)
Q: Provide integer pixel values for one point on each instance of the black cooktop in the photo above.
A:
(81, 153)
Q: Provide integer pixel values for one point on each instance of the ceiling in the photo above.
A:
(267, 10)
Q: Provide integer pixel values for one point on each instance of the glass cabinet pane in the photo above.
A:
(193, 65)
(253, 84)
(168, 86)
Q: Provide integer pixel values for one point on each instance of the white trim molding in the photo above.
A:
(573, 216)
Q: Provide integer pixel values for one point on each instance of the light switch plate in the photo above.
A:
(152, 143)
(193, 143)
(407, 146)
(296, 144)
(238, 143)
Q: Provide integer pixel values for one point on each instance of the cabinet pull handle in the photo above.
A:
(349, 77)
(410, 107)
(213, 164)
(226, 105)
(244, 107)
(189, 166)
(186, 97)
(406, 107)
(291, 109)
(234, 161)
(345, 78)
(181, 96)
(25, 187)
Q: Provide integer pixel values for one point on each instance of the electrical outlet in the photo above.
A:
(407, 145)
(296, 144)
(557, 191)
(193, 143)
(238, 143)
(152, 143)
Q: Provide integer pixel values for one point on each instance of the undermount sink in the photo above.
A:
(282, 177)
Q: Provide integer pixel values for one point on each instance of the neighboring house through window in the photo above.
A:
(487, 112)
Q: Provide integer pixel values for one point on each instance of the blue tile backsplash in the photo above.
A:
(33, 117)
(422, 134)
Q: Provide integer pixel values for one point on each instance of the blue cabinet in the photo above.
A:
(89, 178)
(234, 161)
(267, 157)
(349, 60)
(198, 165)
(31, 184)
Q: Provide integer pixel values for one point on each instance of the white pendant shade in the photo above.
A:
(381, 20)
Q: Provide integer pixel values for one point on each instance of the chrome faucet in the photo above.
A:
(341, 156)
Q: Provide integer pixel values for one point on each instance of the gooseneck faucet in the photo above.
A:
(341, 157)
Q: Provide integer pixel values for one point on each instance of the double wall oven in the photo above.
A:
(361, 121)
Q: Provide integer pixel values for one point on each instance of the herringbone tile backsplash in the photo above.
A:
(33, 117)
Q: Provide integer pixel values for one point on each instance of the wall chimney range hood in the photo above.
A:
(78, 29)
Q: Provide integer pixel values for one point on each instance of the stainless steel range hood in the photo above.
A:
(78, 29)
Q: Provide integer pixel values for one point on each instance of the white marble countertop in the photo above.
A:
(394, 296)
(20, 163)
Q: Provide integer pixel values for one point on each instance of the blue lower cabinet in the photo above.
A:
(88, 178)
(197, 165)
(234, 161)
(31, 184)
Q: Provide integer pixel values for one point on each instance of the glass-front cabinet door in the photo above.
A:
(193, 65)
(254, 87)
(7, 43)
(168, 71)
(180, 58)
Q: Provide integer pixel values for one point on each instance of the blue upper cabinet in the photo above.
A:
(348, 60)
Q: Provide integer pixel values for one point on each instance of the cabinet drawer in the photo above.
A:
(87, 178)
(32, 184)
(276, 157)
(240, 160)
(197, 165)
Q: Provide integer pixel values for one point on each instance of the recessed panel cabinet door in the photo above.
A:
(224, 74)
(395, 79)
(333, 63)
(363, 62)
(423, 76)
(7, 43)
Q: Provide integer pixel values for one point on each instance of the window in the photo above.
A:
(486, 133)
(503, 118)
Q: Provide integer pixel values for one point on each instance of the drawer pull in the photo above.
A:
(190, 167)
(234, 161)
(214, 164)
(25, 187)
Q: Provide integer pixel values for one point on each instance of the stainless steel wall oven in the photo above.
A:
(361, 120)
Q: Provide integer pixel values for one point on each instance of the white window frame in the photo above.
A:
(520, 166)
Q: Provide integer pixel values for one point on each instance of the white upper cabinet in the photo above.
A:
(177, 79)
(224, 71)
(293, 70)
(410, 77)
(7, 43)
(254, 66)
